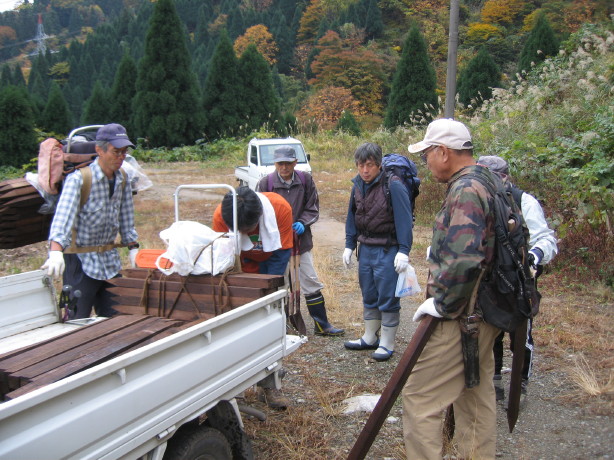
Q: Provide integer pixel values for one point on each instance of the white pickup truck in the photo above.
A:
(260, 160)
(132, 405)
(173, 398)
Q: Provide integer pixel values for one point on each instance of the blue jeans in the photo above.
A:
(378, 279)
(276, 264)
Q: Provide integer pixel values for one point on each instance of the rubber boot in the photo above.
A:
(369, 340)
(317, 310)
(386, 343)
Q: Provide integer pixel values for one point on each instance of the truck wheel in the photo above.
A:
(198, 443)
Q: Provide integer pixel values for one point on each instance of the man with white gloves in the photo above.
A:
(82, 236)
(461, 248)
(385, 237)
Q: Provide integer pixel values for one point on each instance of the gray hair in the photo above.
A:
(495, 164)
(368, 151)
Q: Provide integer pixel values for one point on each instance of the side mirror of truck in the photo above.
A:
(309, 157)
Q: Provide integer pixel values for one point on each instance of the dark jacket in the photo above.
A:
(303, 199)
(369, 219)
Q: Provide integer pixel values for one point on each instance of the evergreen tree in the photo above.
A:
(18, 78)
(123, 92)
(348, 124)
(374, 25)
(259, 102)
(414, 83)
(540, 44)
(18, 143)
(56, 117)
(6, 77)
(478, 78)
(221, 96)
(166, 109)
(98, 107)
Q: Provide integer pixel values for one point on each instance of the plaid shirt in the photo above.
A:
(98, 222)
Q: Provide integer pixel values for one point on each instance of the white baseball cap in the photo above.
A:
(445, 131)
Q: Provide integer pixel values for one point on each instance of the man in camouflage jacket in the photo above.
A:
(462, 247)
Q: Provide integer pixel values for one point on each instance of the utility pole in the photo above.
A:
(452, 49)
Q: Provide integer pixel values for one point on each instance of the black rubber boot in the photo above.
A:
(317, 310)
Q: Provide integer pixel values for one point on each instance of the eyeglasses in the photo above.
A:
(118, 153)
(424, 155)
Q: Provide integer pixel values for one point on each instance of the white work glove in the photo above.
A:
(54, 264)
(401, 261)
(132, 254)
(427, 308)
(428, 253)
(347, 257)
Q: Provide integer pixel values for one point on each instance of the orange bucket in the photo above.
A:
(146, 258)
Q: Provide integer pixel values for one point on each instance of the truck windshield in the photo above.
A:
(266, 154)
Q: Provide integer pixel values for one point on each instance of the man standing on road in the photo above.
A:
(461, 248)
(542, 241)
(92, 258)
(299, 189)
(385, 237)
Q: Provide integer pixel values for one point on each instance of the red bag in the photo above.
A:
(51, 166)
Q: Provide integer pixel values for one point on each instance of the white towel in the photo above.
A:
(267, 224)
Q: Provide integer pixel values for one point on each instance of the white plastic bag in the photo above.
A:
(407, 283)
(190, 246)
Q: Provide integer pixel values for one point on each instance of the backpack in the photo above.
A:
(299, 174)
(400, 166)
(507, 292)
(54, 163)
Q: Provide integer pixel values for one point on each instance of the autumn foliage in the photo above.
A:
(260, 36)
(326, 105)
(341, 64)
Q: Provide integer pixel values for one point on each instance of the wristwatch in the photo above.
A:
(133, 245)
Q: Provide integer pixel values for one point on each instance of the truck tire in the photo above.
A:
(198, 443)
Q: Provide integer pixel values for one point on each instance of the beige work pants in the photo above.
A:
(437, 381)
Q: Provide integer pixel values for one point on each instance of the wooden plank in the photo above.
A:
(18, 191)
(22, 201)
(106, 345)
(232, 279)
(12, 184)
(180, 315)
(123, 340)
(34, 219)
(193, 288)
(203, 302)
(26, 356)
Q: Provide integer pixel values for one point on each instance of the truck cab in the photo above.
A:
(260, 159)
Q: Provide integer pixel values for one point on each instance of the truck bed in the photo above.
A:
(127, 406)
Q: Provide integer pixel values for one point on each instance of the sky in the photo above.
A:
(8, 4)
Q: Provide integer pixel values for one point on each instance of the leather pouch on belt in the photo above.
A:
(471, 354)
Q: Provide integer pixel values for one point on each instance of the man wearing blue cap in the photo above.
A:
(82, 244)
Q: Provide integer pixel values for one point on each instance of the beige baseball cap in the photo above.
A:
(444, 131)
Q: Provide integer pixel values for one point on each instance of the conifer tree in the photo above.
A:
(18, 143)
(6, 77)
(123, 92)
(374, 25)
(166, 109)
(56, 118)
(347, 123)
(98, 107)
(540, 44)
(221, 96)
(478, 78)
(259, 102)
(414, 83)
(18, 78)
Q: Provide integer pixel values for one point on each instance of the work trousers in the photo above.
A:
(307, 276)
(378, 280)
(437, 381)
(93, 292)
